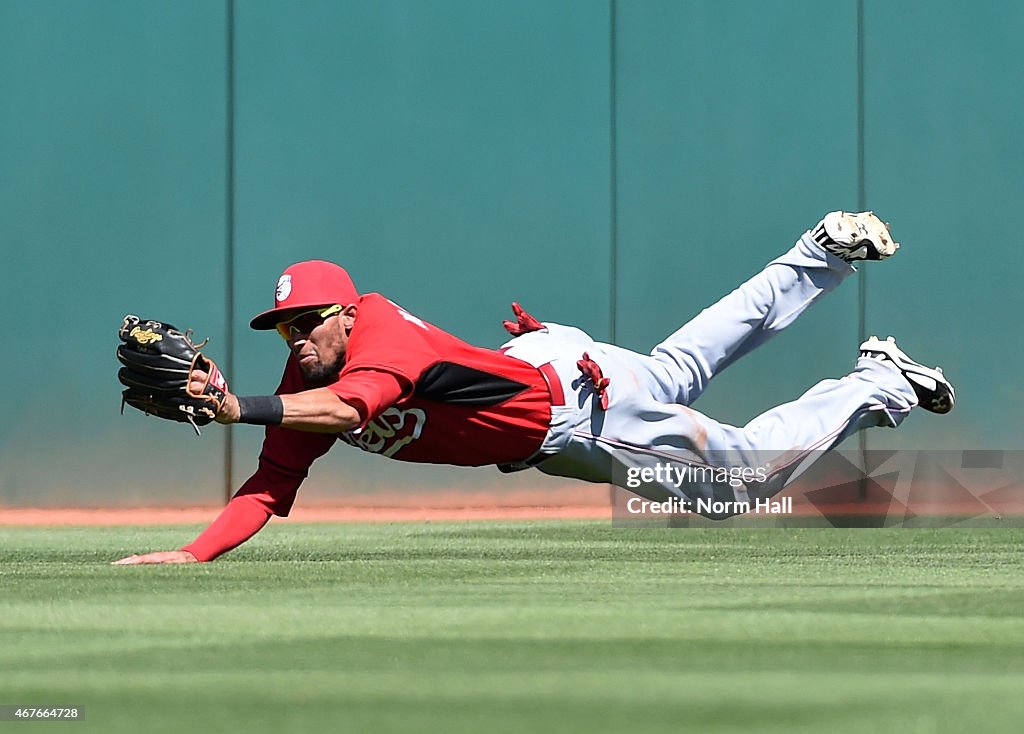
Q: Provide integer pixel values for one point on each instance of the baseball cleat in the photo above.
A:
(852, 236)
(934, 391)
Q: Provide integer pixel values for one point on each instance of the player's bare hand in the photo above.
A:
(229, 412)
(177, 556)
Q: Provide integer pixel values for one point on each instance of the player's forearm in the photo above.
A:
(318, 411)
(241, 519)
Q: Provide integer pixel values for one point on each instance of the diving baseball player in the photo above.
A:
(363, 371)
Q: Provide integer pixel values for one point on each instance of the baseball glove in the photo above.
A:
(159, 361)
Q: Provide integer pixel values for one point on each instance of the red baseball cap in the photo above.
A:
(307, 285)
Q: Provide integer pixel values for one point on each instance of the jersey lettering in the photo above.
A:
(408, 316)
(389, 432)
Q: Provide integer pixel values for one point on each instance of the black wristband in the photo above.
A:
(263, 410)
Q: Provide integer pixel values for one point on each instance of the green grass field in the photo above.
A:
(524, 627)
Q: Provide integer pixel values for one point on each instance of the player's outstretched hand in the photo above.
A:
(177, 556)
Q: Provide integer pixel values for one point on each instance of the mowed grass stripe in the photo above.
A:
(520, 626)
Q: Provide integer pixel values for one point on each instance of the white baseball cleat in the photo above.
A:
(853, 236)
(934, 391)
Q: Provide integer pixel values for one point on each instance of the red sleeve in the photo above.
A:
(286, 456)
(283, 465)
(242, 518)
(371, 392)
(270, 491)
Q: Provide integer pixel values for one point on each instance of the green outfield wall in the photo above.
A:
(614, 165)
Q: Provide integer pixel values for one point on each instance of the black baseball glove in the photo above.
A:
(158, 364)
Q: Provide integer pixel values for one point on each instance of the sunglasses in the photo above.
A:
(306, 321)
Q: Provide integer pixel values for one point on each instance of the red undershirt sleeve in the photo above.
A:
(285, 461)
(269, 491)
(243, 517)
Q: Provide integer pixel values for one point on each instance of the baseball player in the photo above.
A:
(366, 372)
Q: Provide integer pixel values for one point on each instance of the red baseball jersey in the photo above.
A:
(424, 396)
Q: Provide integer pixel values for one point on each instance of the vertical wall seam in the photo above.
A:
(861, 181)
(613, 191)
(229, 233)
(862, 283)
(613, 214)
